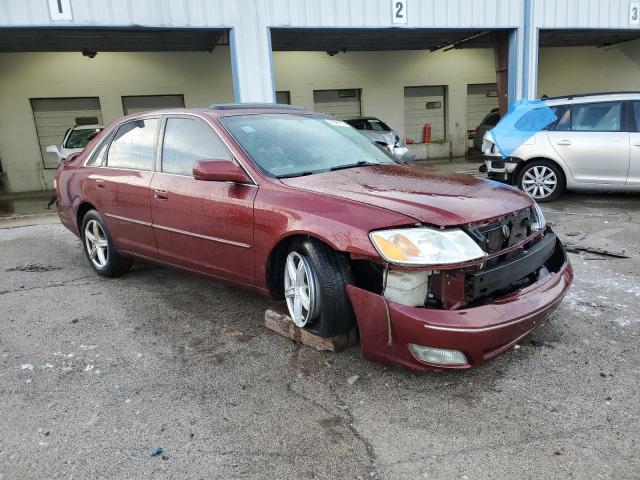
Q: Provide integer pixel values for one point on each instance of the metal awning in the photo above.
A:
(136, 39)
(375, 39)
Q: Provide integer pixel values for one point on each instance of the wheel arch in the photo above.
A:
(81, 211)
(277, 257)
(524, 163)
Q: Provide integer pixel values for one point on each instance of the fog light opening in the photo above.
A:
(438, 356)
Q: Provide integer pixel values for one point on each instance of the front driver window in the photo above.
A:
(188, 140)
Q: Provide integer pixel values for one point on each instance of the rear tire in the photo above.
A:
(543, 180)
(99, 248)
(315, 293)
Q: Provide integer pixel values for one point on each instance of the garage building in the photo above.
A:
(442, 62)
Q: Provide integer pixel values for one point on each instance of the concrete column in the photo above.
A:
(514, 86)
(251, 63)
(530, 52)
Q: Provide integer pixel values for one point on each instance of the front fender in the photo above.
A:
(344, 225)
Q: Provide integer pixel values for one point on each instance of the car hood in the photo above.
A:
(426, 196)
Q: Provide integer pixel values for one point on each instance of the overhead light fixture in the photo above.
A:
(89, 53)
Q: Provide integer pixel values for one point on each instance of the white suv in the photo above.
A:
(593, 145)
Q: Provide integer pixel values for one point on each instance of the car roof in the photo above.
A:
(227, 109)
(88, 127)
(362, 118)
(591, 97)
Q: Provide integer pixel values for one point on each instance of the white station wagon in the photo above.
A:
(593, 145)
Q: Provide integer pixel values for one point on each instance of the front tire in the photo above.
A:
(315, 277)
(99, 248)
(543, 180)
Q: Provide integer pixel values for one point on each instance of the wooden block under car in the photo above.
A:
(276, 319)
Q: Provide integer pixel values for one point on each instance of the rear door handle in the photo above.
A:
(564, 142)
(160, 194)
(637, 144)
(99, 183)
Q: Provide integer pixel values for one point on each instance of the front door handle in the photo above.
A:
(564, 142)
(99, 183)
(160, 194)
(637, 144)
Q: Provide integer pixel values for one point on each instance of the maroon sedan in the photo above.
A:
(436, 271)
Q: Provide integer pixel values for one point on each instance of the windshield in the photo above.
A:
(287, 145)
(378, 125)
(80, 138)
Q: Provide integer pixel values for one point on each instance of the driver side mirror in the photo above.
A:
(219, 171)
(53, 149)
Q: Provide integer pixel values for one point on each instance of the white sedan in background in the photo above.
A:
(75, 139)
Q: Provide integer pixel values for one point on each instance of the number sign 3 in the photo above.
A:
(634, 13)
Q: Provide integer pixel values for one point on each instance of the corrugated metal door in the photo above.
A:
(54, 116)
(341, 104)
(142, 103)
(481, 98)
(424, 105)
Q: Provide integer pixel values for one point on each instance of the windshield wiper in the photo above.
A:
(352, 165)
(300, 174)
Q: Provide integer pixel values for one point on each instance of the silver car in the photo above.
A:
(379, 132)
(593, 145)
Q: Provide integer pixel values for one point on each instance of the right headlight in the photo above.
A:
(423, 246)
(538, 221)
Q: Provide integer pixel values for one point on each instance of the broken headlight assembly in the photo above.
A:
(538, 223)
(423, 246)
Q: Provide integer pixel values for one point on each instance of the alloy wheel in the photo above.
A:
(299, 289)
(96, 243)
(539, 181)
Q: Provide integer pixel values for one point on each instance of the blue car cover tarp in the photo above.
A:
(522, 121)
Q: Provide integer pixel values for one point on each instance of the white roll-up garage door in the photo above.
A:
(481, 99)
(142, 103)
(53, 116)
(424, 105)
(341, 104)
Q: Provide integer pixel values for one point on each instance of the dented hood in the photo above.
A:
(426, 196)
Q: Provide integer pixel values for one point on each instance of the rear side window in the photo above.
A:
(188, 140)
(134, 145)
(636, 115)
(592, 117)
(359, 124)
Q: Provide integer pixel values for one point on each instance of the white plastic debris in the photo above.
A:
(516, 347)
(353, 379)
(88, 368)
(27, 366)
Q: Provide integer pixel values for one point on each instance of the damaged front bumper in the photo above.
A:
(498, 168)
(480, 332)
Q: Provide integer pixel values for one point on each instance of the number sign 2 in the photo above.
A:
(399, 11)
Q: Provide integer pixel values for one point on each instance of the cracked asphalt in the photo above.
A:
(97, 373)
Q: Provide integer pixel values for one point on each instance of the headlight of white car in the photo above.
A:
(425, 246)
(537, 218)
